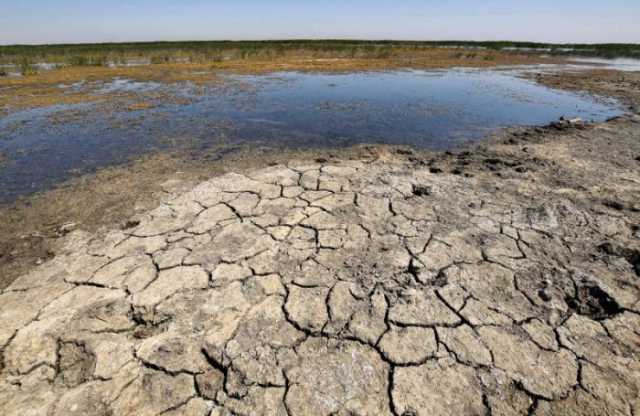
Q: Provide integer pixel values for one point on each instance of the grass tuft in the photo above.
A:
(87, 60)
(27, 68)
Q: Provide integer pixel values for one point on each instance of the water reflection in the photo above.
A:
(435, 110)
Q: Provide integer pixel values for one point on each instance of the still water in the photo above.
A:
(425, 109)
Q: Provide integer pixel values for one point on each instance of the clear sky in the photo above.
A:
(55, 21)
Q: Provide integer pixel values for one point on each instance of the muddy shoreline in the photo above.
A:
(623, 86)
(108, 198)
(32, 226)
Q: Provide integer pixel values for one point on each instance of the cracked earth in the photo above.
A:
(463, 285)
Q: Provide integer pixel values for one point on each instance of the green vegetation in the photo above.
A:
(87, 60)
(216, 51)
(27, 68)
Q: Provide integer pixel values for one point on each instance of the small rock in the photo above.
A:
(421, 190)
(66, 228)
(616, 205)
(542, 294)
(407, 152)
(132, 223)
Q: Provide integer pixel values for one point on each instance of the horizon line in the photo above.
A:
(304, 39)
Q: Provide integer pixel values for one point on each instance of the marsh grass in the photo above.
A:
(27, 68)
(87, 60)
(218, 51)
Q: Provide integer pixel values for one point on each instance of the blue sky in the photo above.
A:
(55, 21)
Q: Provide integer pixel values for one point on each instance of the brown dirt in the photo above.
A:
(31, 227)
(621, 85)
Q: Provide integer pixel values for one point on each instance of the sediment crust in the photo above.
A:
(498, 280)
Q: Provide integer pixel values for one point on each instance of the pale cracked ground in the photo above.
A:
(347, 289)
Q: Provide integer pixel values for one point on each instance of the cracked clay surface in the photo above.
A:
(390, 287)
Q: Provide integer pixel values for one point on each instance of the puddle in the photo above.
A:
(126, 85)
(425, 109)
(619, 64)
(129, 63)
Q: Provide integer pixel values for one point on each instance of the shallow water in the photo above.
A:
(618, 64)
(434, 110)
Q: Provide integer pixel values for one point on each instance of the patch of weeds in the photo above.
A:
(216, 58)
(27, 68)
(87, 60)
(160, 59)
